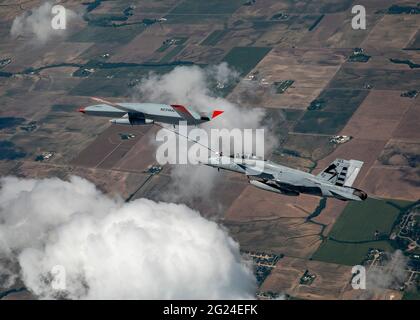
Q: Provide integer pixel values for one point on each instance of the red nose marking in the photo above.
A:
(216, 113)
(81, 109)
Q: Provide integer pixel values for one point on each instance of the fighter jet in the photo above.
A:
(147, 113)
(335, 181)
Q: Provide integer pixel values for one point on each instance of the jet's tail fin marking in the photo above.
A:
(341, 172)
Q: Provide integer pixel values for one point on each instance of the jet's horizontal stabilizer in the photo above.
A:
(352, 172)
(341, 172)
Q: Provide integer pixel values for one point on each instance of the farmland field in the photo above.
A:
(338, 107)
(244, 59)
(354, 232)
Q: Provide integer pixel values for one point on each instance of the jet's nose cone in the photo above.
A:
(81, 109)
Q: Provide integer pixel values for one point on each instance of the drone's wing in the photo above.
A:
(115, 105)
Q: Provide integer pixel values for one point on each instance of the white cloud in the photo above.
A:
(7, 276)
(390, 275)
(115, 250)
(36, 24)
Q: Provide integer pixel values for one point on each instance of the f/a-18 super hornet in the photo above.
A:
(133, 113)
(335, 181)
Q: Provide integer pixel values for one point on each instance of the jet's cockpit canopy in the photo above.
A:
(246, 157)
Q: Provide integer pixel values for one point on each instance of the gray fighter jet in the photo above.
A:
(147, 113)
(335, 181)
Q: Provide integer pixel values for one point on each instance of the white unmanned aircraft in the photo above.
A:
(134, 113)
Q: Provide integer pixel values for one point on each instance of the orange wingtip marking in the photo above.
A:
(216, 113)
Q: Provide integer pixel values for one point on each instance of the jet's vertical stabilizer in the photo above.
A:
(341, 172)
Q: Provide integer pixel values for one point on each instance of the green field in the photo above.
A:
(9, 151)
(244, 59)
(379, 79)
(104, 81)
(308, 146)
(359, 220)
(411, 295)
(107, 34)
(263, 24)
(194, 11)
(346, 253)
(322, 6)
(207, 7)
(171, 54)
(100, 87)
(214, 37)
(353, 233)
(338, 107)
(322, 122)
(135, 71)
(192, 19)
(118, 85)
(335, 6)
(292, 114)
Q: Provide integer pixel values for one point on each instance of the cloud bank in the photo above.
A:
(390, 275)
(114, 250)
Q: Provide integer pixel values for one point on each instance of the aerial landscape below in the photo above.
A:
(83, 109)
